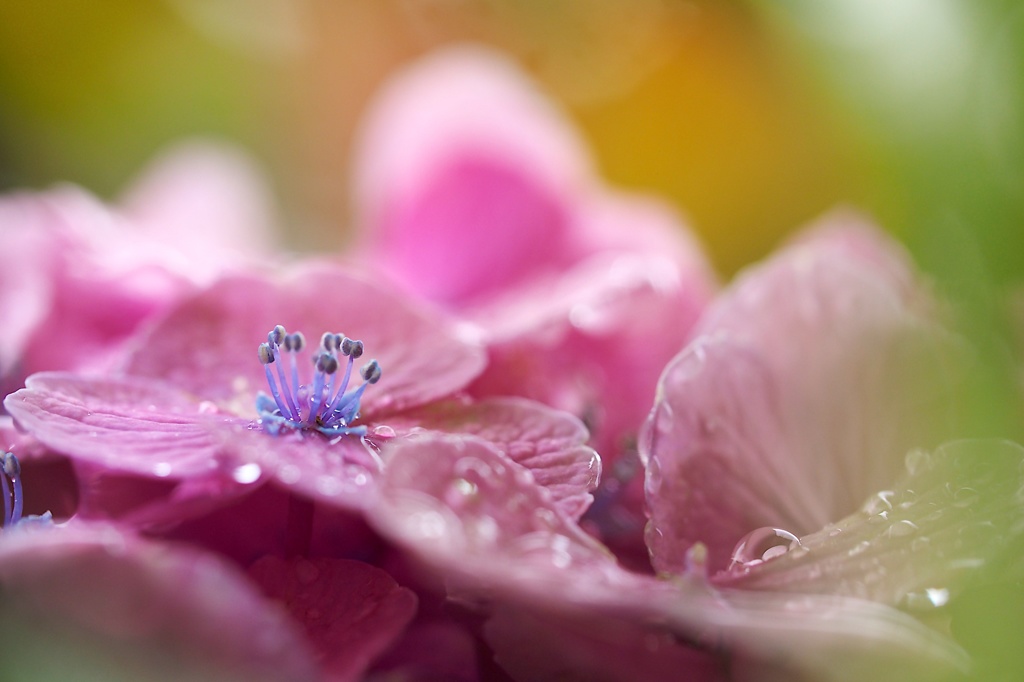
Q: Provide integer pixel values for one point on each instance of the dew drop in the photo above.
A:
(459, 492)
(917, 462)
(879, 502)
(879, 517)
(289, 474)
(484, 529)
(162, 469)
(328, 485)
(544, 519)
(383, 431)
(928, 599)
(472, 469)
(761, 545)
(425, 525)
(859, 548)
(247, 473)
(921, 543)
(902, 529)
(360, 479)
(965, 497)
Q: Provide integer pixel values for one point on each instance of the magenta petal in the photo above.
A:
(464, 175)
(813, 376)
(548, 443)
(207, 345)
(915, 545)
(351, 611)
(125, 424)
(88, 602)
(547, 649)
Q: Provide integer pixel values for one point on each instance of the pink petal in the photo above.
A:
(206, 201)
(91, 602)
(594, 650)
(125, 424)
(207, 345)
(438, 650)
(461, 158)
(546, 442)
(351, 611)
(811, 378)
(461, 508)
(341, 472)
(594, 340)
(916, 545)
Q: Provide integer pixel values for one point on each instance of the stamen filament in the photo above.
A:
(7, 499)
(285, 389)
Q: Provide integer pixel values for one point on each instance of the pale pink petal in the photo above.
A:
(89, 602)
(351, 611)
(462, 176)
(125, 424)
(916, 545)
(811, 378)
(549, 443)
(26, 263)
(341, 471)
(205, 201)
(207, 345)
(457, 505)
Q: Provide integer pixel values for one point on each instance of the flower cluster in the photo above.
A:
(781, 497)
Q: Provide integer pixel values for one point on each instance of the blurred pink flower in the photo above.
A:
(474, 191)
(811, 387)
(78, 277)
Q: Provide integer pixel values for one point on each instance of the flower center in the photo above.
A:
(325, 404)
(10, 477)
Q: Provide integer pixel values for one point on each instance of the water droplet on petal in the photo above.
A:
(459, 492)
(928, 599)
(383, 431)
(247, 473)
(879, 502)
(328, 485)
(162, 469)
(902, 529)
(761, 545)
(859, 548)
(965, 497)
(917, 462)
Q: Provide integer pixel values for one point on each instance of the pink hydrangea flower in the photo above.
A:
(474, 191)
(805, 522)
(192, 411)
(78, 276)
(188, 440)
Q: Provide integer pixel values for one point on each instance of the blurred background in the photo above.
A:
(752, 116)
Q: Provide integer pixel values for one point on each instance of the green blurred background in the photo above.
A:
(752, 116)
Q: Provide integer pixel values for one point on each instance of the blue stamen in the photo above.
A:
(293, 403)
(331, 410)
(11, 469)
